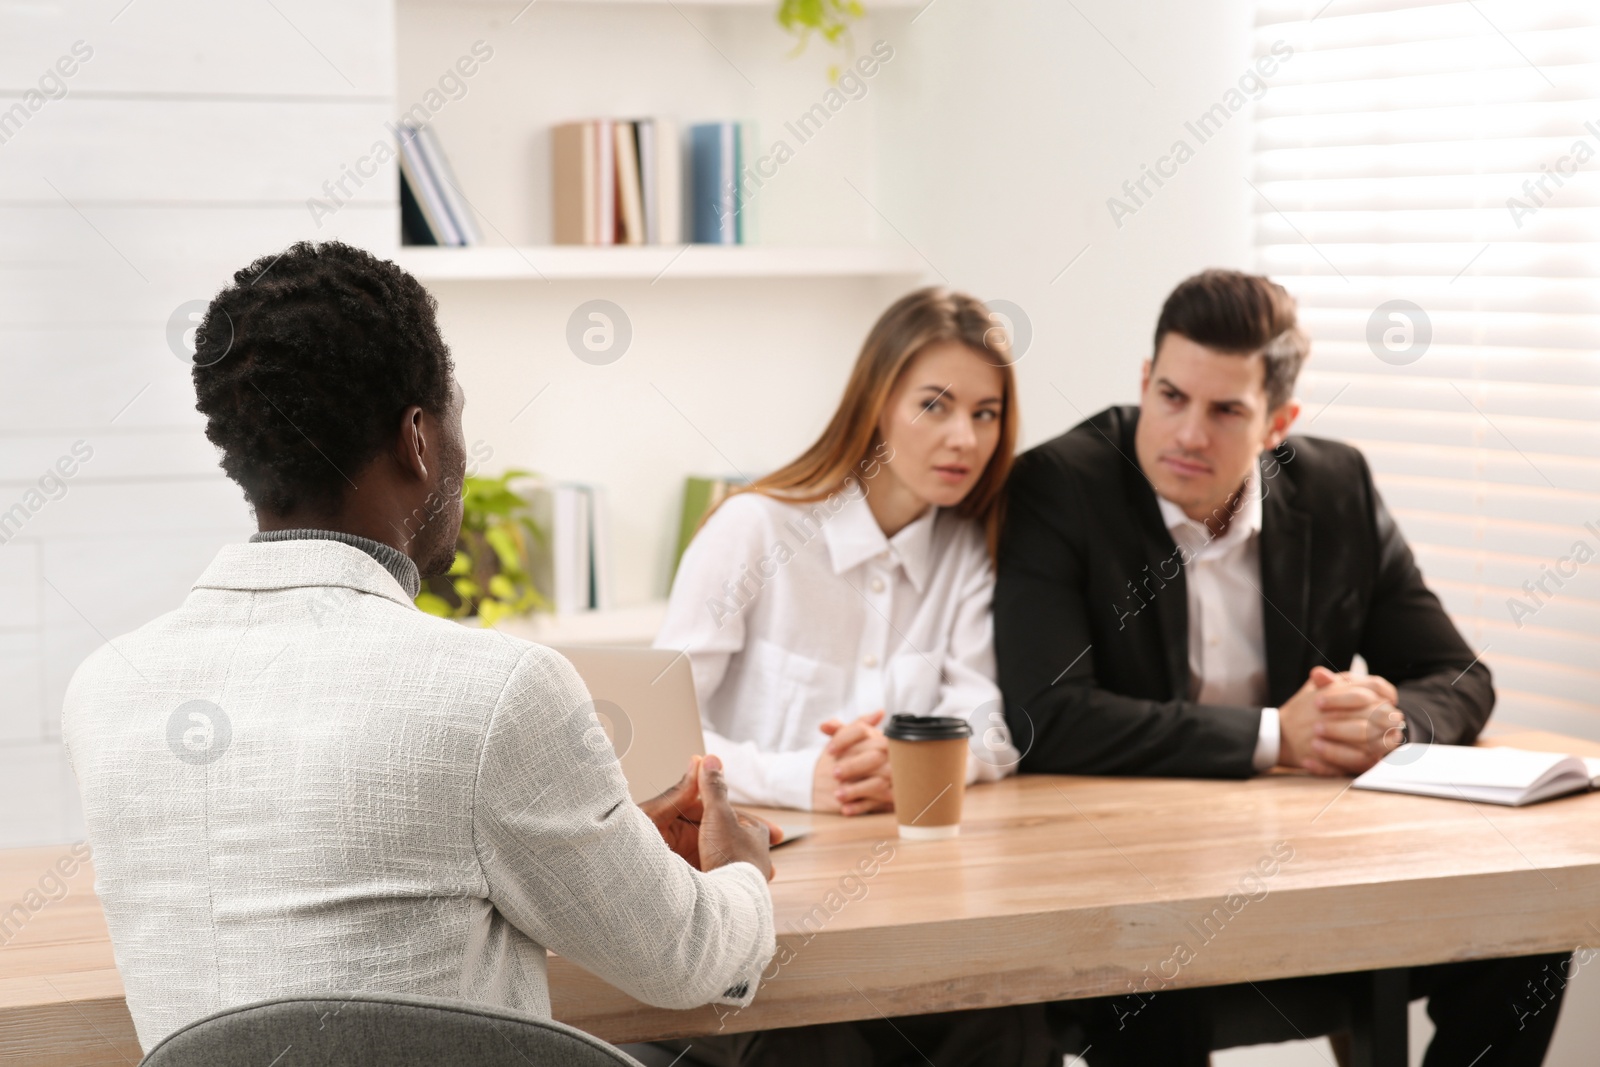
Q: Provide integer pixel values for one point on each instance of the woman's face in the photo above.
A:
(942, 422)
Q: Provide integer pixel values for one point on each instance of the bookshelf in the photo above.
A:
(760, 5)
(738, 352)
(768, 6)
(652, 263)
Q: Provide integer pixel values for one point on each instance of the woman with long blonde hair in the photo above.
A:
(856, 580)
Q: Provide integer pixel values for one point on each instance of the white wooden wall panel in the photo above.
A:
(338, 49)
(184, 147)
(117, 455)
(121, 372)
(99, 150)
(136, 263)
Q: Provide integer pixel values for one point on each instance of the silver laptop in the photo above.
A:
(645, 701)
(644, 698)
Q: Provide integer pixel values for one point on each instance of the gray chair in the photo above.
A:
(378, 1031)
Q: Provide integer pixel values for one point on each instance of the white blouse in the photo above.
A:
(793, 614)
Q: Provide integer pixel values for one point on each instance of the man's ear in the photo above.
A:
(412, 445)
(1144, 376)
(1279, 422)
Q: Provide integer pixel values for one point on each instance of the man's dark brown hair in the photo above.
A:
(1240, 314)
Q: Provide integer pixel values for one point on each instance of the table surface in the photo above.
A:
(1058, 887)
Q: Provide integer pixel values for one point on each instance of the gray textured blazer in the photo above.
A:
(299, 783)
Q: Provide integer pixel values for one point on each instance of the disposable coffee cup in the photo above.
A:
(928, 763)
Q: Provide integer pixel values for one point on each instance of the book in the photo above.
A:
(700, 495)
(573, 183)
(583, 182)
(714, 182)
(572, 565)
(630, 198)
(663, 163)
(1489, 775)
(749, 213)
(616, 181)
(415, 168)
(449, 189)
(606, 182)
(560, 566)
(413, 226)
(645, 133)
(600, 583)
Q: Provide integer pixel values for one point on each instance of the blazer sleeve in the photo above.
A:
(1446, 692)
(571, 861)
(1060, 717)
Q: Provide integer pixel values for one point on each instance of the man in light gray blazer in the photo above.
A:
(298, 783)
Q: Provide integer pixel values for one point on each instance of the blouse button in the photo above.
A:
(877, 585)
(869, 660)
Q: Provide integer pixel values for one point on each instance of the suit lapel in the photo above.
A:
(1285, 586)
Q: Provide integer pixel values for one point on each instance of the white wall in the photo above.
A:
(1007, 133)
(186, 145)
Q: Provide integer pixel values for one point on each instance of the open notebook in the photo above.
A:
(1513, 776)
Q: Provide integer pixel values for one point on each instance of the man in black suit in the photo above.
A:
(1182, 589)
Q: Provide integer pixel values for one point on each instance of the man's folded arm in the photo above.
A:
(572, 862)
(1446, 692)
(1059, 717)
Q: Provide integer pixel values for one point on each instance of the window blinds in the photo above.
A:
(1426, 181)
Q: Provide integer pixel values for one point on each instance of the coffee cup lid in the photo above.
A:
(926, 728)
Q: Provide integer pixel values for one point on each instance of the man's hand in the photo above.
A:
(677, 813)
(1339, 724)
(852, 774)
(727, 835)
(1344, 697)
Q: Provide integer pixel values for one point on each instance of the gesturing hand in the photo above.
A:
(677, 813)
(852, 774)
(726, 834)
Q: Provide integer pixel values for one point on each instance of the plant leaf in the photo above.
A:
(433, 605)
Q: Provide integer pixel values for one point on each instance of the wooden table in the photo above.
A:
(1058, 887)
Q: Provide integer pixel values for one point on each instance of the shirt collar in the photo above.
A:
(854, 536)
(1246, 518)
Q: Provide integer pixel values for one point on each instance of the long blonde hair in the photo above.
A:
(911, 324)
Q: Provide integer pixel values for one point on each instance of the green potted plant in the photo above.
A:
(490, 576)
(829, 18)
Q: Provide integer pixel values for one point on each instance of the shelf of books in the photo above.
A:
(625, 197)
(654, 262)
(767, 6)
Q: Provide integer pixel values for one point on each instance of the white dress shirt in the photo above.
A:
(793, 614)
(1227, 648)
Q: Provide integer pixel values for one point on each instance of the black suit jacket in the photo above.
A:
(1091, 612)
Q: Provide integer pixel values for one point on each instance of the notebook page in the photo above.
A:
(1444, 765)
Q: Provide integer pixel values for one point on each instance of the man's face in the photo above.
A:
(1203, 422)
(437, 537)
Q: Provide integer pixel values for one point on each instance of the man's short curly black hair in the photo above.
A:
(304, 365)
